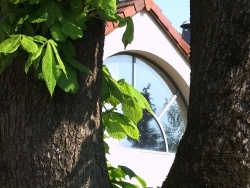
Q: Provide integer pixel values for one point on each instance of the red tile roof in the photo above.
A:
(131, 7)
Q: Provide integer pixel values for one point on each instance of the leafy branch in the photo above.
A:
(124, 109)
(45, 28)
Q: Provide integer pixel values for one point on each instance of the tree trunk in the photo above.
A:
(215, 149)
(54, 141)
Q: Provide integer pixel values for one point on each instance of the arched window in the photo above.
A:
(163, 130)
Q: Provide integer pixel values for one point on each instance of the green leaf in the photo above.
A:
(128, 35)
(71, 30)
(28, 45)
(58, 12)
(58, 58)
(69, 83)
(105, 89)
(5, 26)
(78, 65)
(68, 48)
(113, 126)
(113, 86)
(10, 45)
(39, 38)
(128, 171)
(34, 59)
(51, 15)
(40, 19)
(106, 147)
(77, 4)
(109, 6)
(40, 15)
(21, 21)
(119, 126)
(28, 64)
(129, 90)
(81, 18)
(132, 109)
(131, 174)
(141, 181)
(49, 69)
(116, 173)
(56, 33)
(124, 184)
(122, 21)
(129, 126)
(117, 177)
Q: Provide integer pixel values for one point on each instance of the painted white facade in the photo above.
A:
(151, 42)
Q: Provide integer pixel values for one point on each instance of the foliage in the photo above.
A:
(41, 31)
(123, 96)
(150, 134)
(119, 100)
(118, 175)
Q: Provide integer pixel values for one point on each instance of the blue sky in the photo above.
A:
(177, 11)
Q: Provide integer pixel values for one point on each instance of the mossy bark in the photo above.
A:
(215, 149)
(54, 141)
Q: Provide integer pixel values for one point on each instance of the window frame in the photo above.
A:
(162, 73)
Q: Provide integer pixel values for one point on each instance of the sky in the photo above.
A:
(177, 11)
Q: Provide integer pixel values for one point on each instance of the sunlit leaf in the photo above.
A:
(113, 127)
(113, 86)
(39, 38)
(58, 58)
(34, 59)
(118, 126)
(132, 109)
(49, 69)
(71, 30)
(129, 90)
(10, 45)
(28, 45)
(109, 6)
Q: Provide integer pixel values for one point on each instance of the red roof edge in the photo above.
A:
(131, 7)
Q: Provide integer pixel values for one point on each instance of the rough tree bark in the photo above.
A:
(54, 141)
(215, 149)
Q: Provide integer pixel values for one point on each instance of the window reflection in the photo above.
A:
(174, 126)
(169, 109)
(121, 67)
(150, 135)
(159, 90)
